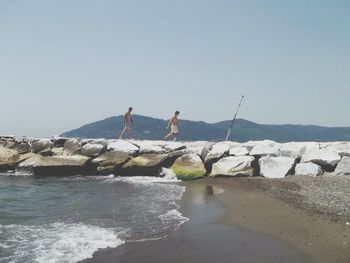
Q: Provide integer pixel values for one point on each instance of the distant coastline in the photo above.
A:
(148, 128)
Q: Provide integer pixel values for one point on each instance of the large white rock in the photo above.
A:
(103, 142)
(196, 147)
(276, 167)
(233, 166)
(72, 146)
(218, 150)
(238, 151)
(251, 144)
(174, 146)
(149, 147)
(322, 157)
(327, 144)
(292, 149)
(264, 150)
(39, 145)
(343, 167)
(343, 149)
(309, 169)
(92, 149)
(122, 146)
(311, 146)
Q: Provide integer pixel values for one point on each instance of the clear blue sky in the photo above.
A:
(69, 62)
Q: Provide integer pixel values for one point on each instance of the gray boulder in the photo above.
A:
(39, 145)
(292, 149)
(233, 166)
(72, 146)
(196, 147)
(148, 148)
(19, 144)
(8, 158)
(218, 150)
(323, 157)
(308, 169)
(174, 146)
(56, 165)
(206, 149)
(145, 164)
(122, 146)
(264, 150)
(92, 149)
(276, 167)
(238, 151)
(59, 142)
(343, 167)
(57, 151)
(22, 147)
(26, 156)
(343, 149)
(110, 162)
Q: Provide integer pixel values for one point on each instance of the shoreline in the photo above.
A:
(225, 221)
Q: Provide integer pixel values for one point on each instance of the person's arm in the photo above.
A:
(131, 119)
(170, 121)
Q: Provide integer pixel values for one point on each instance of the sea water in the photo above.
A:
(66, 219)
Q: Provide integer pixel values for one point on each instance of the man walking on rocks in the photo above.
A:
(173, 124)
(127, 122)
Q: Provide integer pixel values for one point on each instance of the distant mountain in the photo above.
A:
(243, 130)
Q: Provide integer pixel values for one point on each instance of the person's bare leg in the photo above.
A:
(121, 133)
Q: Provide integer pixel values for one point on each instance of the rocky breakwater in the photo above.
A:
(188, 160)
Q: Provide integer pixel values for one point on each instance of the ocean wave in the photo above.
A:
(58, 242)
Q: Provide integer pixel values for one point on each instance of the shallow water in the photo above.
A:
(66, 219)
(204, 239)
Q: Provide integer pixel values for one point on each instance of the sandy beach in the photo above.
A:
(243, 220)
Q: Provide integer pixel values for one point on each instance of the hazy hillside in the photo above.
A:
(243, 130)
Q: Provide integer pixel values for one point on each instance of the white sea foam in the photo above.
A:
(58, 242)
(166, 176)
(23, 172)
(17, 173)
(173, 215)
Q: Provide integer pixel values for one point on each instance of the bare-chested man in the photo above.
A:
(173, 124)
(128, 121)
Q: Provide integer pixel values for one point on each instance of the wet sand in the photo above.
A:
(231, 221)
(323, 238)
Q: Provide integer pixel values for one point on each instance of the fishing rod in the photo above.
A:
(234, 118)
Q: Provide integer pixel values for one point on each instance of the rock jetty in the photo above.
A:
(188, 160)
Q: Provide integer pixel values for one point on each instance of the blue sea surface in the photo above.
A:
(66, 219)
